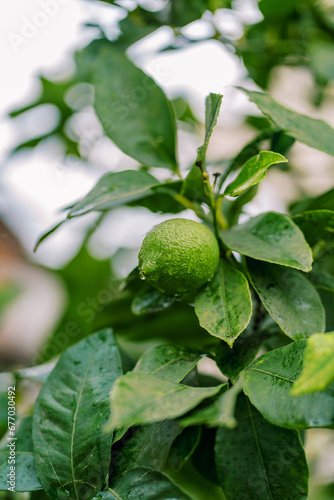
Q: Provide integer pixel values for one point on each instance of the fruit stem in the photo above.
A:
(192, 206)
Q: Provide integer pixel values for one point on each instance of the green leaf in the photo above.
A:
(138, 399)
(220, 412)
(47, 233)
(316, 225)
(194, 186)
(259, 460)
(291, 300)
(168, 362)
(271, 237)
(310, 131)
(145, 483)
(253, 172)
(146, 446)
(184, 113)
(151, 301)
(161, 198)
(268, 385)
(71, 452)
(136, 25)
(25, 474)
(224, 305)
(204, 457)
(320, 279)
(320, 54)
(134, 111)
(324, 201)
(232, 360)
(115, 189)
(327, 299)
(39, 373)
(231, 210)
(212, 108)
(181, 12)
(183, 447)
(318, 366)
(276, 8)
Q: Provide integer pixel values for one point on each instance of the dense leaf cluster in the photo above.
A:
(104, 426)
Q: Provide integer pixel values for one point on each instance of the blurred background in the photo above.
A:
(53, 150)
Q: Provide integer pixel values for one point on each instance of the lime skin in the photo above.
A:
(178, 256)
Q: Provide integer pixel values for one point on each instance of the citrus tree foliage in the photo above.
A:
(109, 425)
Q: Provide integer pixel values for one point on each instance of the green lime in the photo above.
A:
(178, 256)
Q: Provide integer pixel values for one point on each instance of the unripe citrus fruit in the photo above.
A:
(178, 256)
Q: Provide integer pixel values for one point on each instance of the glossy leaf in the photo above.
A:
(318, 365)
(194, 186)
(151, 301)
(268, 385)
(115, 189)
(183, 447)
(224, 305)
(146, 446)
(253, 172)
(25, 475)
(169, 362)
(259, 460)
(220, 412)
(71, 452)
(39, 372)
(138, 399)
(272, 237)
(231, 210)
(142, 482)
(134, 111)
(212, 108)
(162, 198)
(316, 225)
(315, 133)
(291, 300)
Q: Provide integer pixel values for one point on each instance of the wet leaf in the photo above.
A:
(142, 482)
(291, 300)
(268, 385)
(138, 399)
(25, 474)
(224, 305)
(253, 172)
(169, 362)
(259, 460)
(272, 237)
(318, 365)
(71, 452)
